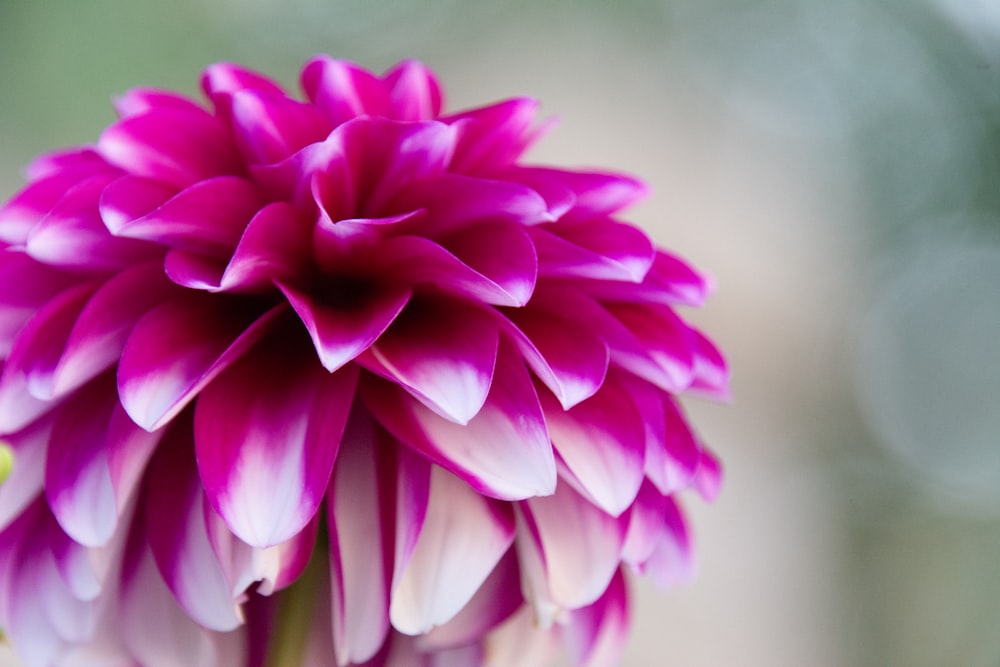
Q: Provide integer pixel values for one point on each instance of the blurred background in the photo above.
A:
(834, 165)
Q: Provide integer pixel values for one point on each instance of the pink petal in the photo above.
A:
(708, 479)
(672, 562)
(601, 249)
(159, 633)
(36, 351)
(178, 348)
(596, 634)
(281, 435)
(669, 282)
(504, 253)
(580, 546)
(572, 361)
(25, 286)
(223, 78)
(131, 198)
(360, 514)
(343, 90)
(27, 478)
(602, 442)
(463, 537)
(140, 101)
(179, 539)
(173, 145)
(78, 482)
(346, 325)
(601, 193)
(269, 126)
(645, 526)
(414, 93)
(496, 600)
(275, 246)
(660, 337)
(520, 641)
(18, 408)
(30, 206)
(208, 217)
(494, 136)
(73, 234)
(503, 451)
(443, 353)
(711, 374)
(129, 450)
(100, 331)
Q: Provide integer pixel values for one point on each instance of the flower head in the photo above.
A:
(338, 378)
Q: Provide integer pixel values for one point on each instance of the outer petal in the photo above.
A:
(579, 544)
(25, 286)
(443, 353)
(600, 249)
(669, 282)
(494, 136)
(462, 539)
(596, 634)
(269, 127)
(414, 93)
(178, 348)
(342, 329)
(266, 449)
(177, 534)
(503, 451)
(603, 443)
(27, 478)
(343, 90)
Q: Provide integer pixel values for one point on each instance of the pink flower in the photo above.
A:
(336, 380)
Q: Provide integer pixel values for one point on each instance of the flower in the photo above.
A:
(339, 380)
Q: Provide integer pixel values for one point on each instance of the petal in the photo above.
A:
(173, 145)
(503, 451)
(463, 537)
(343, 90)
(645, 526)
(571, 360)
(266, 449)
(230, 78)
(100, 331)
(209, 217)
(494, 136)
(178, 348)
(179, 539)
(711, 373)
(660, 337)
(602, 443)
(30, 206)
(341, 331)
(504, 253)
(602, 193)
(443, 353)
(708, 479)
(140, 101)
(18, 408)
(580, 546)
(669, 282)
(601, 249)
(27, 477)
(673, 561)
(520, 641)
(78, 482)
(25, 286)
(359, 515)
(414, 93)
(275, 246)
(596, 634)
(269, 127)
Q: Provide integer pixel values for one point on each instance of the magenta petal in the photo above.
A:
(342, 332)
(30, 206)
(571, 361)
(78, 483)
(25, 286)
(580, 546)
(230, 78)
(708, 479)
(178, 536)
(601, 193)
(360, 513)
(343, 90)
(129, 450)
(494, 136)
(463, 537)
(208, 217)
(414, 93)
(176, 146)
(36, 351)
(269, 127)
(281, 435)
(603, 443)
(645, 526)
(660, 337)
(100, 331)
(601, 249)
(18, 407)
(503, 451)
(672, 452)
(504, 253)
(711, 374)
(443, 353)
(672, 561)
(179, 347)
(140, 101)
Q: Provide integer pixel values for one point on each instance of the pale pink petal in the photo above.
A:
(281, 435)
(463, 537)
(672, 561)
(173, 145)
(179, 347)
(178, 536)
(349, 321)
(26, 480)
(78, 482)
(520, 641)
(672, 451)
(579, 544)
(711, 374)
(443, 353)
(129, 450)
(596, 634)
(645, 526)
(361, 524)
(708, 479)
(18, 408)
(602, 443)
(503, 451)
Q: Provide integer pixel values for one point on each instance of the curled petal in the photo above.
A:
(270, 127)
(494, 136)
(600, 249)
(343, 90)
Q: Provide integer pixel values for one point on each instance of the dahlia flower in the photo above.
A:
(336, 380)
